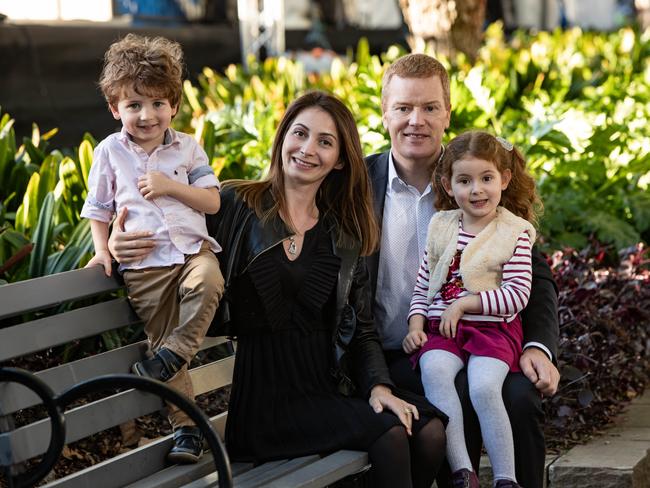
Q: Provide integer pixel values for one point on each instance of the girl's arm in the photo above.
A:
(507, 300)
(102, 255)
(419, 301)
(156, 184)
(417, 317)
(512, 296)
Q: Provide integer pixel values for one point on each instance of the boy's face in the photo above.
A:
(145, 118)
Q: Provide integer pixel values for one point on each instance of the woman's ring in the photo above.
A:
(407, 410)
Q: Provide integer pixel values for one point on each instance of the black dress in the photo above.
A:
(284, 401)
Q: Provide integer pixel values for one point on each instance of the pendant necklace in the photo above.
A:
(292, 246)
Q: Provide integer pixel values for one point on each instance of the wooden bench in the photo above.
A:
(63, 308)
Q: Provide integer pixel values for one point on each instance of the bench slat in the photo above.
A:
(59, 378)
(31, 440)
(65, 327)
(212, 376)
(262, 477)
(325, 471)
(187, 475)
(129, 467)
(255, 477)
(307, 471)
(175, 476)
(118, 361)
(38, 293)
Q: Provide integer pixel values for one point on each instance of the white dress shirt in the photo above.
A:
(407, 213)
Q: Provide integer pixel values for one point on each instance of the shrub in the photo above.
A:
(604, 339)
(577, 104)
(42, 194)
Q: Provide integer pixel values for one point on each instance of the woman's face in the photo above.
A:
(311, 148)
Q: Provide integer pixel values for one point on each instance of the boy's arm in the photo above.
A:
(102, 255)
(156, 184)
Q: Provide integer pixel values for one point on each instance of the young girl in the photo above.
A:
(473, 281)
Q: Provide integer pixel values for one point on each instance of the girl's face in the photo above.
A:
(311, 148)
(476, 185)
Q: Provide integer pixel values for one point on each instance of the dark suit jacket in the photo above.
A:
(540, 320)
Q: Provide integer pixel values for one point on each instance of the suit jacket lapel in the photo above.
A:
(378, 170)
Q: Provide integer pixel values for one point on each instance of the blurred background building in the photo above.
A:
(51, 50)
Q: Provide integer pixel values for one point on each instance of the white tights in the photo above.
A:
(485, 377)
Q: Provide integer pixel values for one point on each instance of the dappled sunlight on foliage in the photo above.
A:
(576, 103)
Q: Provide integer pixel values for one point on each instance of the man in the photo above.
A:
(416, 111)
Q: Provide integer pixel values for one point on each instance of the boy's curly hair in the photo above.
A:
(152, 66)
(521, 195)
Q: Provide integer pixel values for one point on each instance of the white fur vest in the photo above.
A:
(481, 263)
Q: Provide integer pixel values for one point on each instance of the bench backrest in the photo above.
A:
(80, 304)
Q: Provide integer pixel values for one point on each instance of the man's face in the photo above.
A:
(416, 116)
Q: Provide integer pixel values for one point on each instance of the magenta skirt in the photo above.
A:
(500, 340)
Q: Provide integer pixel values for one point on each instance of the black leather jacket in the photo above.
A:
(358, 357)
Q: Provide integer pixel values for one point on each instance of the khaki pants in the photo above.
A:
(177, 304)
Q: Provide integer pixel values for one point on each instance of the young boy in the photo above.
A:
(164, 179)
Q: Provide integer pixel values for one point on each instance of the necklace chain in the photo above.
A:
(293, 247)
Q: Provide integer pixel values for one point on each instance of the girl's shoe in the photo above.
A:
(464, 478)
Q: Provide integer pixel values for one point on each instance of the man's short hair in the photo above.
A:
(417, 66)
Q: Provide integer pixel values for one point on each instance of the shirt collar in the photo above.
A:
(395, 182)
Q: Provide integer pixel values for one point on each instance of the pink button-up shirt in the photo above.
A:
(113, 183)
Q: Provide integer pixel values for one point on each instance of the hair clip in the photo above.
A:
(507, 145)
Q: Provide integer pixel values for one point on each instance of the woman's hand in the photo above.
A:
(128, 247)
(381, 397)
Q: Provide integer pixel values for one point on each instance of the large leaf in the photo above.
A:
(27, 213)
(85, 160)
(42, 237)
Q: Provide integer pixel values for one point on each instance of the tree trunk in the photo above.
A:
(449, 25)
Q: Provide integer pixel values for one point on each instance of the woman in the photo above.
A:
(310, 376)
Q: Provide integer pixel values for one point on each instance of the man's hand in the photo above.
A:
(128, 247)
(539, 369)
(154, 184)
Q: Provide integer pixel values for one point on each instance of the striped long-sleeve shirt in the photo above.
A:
(502, 303)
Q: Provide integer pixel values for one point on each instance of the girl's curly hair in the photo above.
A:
(152, 66)
(521, 195)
